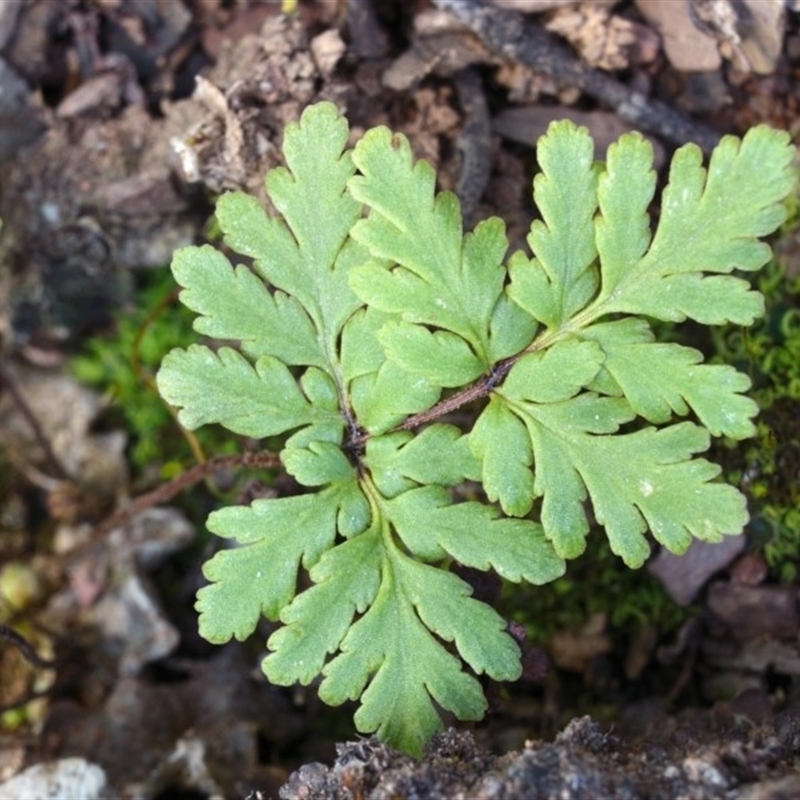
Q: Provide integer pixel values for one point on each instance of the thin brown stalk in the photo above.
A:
(163, 493)
(25, 648)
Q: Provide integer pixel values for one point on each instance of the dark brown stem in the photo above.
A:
(477, 390)
(263, 459)
(25, 647)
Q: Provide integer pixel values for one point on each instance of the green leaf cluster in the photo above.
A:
(368, 323)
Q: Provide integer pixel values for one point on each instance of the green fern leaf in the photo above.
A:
(346, 582)
(235, 304)
(473, 534)
(223, 387)
(438, 455)
(382, 393)
(660, 380)
(442, 278)
(245, 584)
(710, 223)
(562, 277)
(406, 367)
(393, 649)
(502, 446)
(296, 253)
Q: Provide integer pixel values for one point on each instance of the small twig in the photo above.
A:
(166, 491)
(510, 36)
(10, 385)
(26, 648)
(480, 388)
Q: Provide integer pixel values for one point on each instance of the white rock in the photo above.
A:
(74, 778)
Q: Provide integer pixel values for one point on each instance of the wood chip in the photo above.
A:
(603, 39)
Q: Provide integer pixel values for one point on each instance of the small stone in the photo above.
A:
(687, 48)
(327, 49)
(755, 612)
(763, 35)
(75, 778)
(684, 576)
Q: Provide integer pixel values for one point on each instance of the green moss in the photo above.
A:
(597, 582)
(767, 467)
(121, 363)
